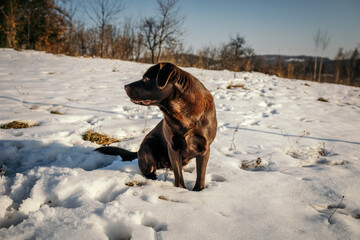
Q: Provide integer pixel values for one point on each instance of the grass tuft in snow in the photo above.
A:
(233, 146)
(18, 124)
(250, 164)
(321, 149)
(56, 112)
(291, 151)
(239, 85)
(98, 138)
(35, 107)
(167, 199)
(134, 184)
(321, 99)
(259, 163)
(336, 208)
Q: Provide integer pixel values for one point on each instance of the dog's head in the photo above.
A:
(156, 85)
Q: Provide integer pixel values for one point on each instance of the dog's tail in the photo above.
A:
(115, 151)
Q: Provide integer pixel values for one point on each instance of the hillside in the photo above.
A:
(285, 163)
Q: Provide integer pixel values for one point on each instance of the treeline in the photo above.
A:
(54, 26)
(87, 28)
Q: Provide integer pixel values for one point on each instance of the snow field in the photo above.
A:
(279, 166)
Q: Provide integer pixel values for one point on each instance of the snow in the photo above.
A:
(279, 166)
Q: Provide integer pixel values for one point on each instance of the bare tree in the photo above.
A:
(169, 24)
(317, 44)
(324, 42)
(81, 41)
(122, 40)
(338, 65)
(102, 12)
(138, 46)
(352, 65)
(128, 39)
(209, 54)
(235, 54)
(10, 17)
(71, 8)
(150, 30)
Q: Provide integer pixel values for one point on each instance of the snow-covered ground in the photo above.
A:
(278, 169)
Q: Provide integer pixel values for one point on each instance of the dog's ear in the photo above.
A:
(165, 73)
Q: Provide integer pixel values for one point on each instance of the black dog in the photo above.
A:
(187, 130)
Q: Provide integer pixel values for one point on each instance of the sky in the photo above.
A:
(268, 26)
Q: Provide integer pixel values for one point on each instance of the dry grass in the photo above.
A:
(233, 146)
(336, 208)
(35, 107)
(18, 125)
(98, 138)
(291, 151)
(250, 164)
(321, 150)
(167, 199)
(321, 99)
(55, 112)
(134, 184)
(239, 85)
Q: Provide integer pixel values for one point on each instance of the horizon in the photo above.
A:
(270, 28)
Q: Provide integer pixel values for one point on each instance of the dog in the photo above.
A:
(188, 128)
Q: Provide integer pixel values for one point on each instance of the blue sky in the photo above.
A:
(269, 26)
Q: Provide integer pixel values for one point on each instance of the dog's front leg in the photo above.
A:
(201, 163)
(176, 166)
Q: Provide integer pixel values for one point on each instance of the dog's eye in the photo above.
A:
(145, 79)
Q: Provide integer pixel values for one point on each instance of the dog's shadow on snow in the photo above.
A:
(23, 155)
